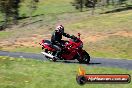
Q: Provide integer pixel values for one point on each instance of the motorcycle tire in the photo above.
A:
(86, 57)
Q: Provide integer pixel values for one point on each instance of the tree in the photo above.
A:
(78, 4)
(90, 4)
(5, 9)
(33, 6)
(9, 9)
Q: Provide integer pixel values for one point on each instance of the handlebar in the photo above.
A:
(76, 39)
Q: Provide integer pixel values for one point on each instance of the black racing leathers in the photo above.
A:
(56, 37)
(56, 41)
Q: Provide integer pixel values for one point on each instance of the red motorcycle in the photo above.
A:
(73, 50)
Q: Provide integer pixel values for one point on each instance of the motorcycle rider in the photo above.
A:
(56, 38)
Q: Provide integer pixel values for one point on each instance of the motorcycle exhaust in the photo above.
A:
(48, 55)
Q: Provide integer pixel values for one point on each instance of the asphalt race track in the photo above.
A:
(117, 63)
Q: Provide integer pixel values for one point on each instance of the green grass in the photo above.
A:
(112, 47)
(27, 49)
(4, 34)
(104, 23)
(48, 7)
(27, 73)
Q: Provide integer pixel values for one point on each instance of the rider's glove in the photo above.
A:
(73, 37)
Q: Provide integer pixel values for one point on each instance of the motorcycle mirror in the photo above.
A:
(42, 41)
(79, 34)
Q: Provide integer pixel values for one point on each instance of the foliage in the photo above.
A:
(80, 4)
(9, 8)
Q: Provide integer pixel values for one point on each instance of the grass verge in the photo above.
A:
(27, 73)
(28, 49)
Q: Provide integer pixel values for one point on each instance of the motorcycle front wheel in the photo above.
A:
(85, 59)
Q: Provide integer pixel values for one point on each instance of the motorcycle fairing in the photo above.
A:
(47, 44)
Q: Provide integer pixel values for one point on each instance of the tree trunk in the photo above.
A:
(81, 5)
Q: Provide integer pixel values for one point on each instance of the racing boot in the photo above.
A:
(58, 55)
